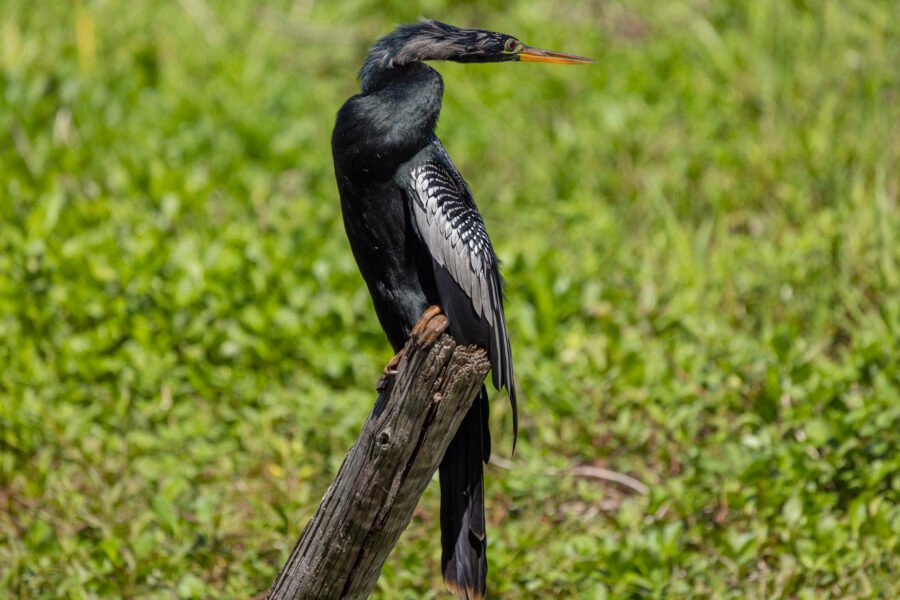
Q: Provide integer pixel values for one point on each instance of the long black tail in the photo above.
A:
(463, 539)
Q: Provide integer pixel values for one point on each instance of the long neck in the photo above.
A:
(390, 121)
(406, 98)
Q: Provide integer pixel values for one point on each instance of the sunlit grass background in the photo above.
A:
(701, 241)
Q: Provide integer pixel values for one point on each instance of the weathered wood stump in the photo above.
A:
(371, 501)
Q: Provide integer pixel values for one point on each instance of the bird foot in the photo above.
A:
(431, 325)
(425, 332)
(390, 369)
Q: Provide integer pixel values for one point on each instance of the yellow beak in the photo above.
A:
(530, 54)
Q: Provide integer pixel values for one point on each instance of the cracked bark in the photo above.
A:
(371, 501)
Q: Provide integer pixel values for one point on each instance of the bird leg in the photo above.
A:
(425, 332)
(431, 325)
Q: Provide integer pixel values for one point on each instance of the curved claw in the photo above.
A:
(390, 369)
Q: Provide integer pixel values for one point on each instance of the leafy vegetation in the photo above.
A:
(700, 236)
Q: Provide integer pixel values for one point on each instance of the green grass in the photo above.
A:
(700, 235)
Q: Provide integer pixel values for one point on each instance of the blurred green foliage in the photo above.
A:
(701, 240)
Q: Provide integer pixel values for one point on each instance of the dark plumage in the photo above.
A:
(419, 241)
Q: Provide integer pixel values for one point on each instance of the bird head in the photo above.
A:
(433, 40)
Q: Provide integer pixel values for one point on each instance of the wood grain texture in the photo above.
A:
(371, 501)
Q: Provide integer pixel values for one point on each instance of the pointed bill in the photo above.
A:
(530, 54)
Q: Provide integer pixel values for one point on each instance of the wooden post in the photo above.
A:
(371, 501)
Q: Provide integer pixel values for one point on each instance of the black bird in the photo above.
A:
(420, 242)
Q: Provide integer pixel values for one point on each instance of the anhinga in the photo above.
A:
(422, 247)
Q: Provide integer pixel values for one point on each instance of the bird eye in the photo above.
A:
(511, 45)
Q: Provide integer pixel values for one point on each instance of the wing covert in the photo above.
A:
(450, 225)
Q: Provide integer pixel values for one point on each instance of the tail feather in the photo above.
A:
(463, 535)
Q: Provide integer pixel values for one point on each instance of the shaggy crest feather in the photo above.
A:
(426, 40)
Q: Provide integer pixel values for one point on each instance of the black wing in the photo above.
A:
(466, 269)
